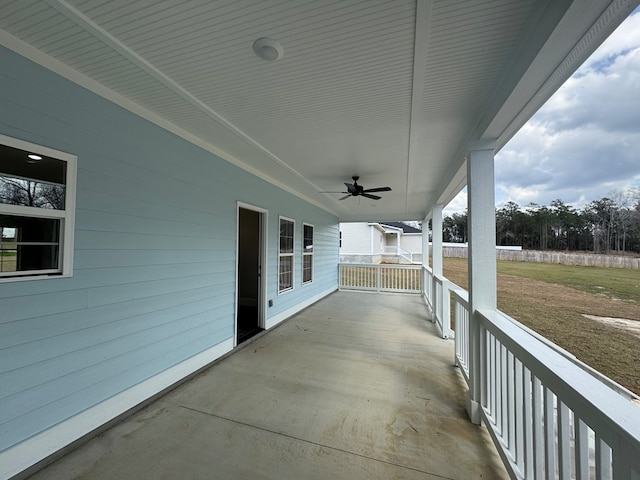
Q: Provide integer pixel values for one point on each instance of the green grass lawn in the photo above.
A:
(7, 260)
(552, 299)
(620, 283)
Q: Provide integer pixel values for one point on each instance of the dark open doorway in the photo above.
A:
(249, 299)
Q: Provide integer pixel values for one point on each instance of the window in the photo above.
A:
(37, 199)
(285, 257)
(307, 253)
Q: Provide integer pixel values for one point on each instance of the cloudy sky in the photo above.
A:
(584, 143)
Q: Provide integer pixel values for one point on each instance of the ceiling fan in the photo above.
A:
(355, 190)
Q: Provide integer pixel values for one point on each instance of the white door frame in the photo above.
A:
(262, 253)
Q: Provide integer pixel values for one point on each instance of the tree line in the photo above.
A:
(31, 193)
(610, 224)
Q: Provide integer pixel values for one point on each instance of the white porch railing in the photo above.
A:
(437, 294)
(441, 305)
(461, 327)
(427, 282)
(406, 254)
(550, 415)
(381, 277)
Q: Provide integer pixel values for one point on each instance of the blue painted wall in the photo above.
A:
(154, 269)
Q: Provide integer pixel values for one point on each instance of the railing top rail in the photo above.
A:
(461, 294)
(611, 415)
(406, 266)
(603, 378)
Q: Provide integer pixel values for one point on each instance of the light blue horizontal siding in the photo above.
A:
(154, 255)
(33, 329)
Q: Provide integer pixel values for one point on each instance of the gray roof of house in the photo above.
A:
(405, 228)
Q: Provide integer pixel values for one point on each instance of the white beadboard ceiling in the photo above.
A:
(390, 90)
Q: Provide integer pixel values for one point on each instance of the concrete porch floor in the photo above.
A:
(358, 386)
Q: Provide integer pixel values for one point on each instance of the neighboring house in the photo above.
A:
(376, 242)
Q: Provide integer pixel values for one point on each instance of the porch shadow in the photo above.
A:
(356, 386)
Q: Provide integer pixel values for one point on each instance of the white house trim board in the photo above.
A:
(437, 239)
(37, 448)
(371, 236)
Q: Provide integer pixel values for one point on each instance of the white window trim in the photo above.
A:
(311, 254)
(292, 255)
(66, 216)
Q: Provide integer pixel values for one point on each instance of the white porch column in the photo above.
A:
(436, 222)
(482, 259)
(425, 241)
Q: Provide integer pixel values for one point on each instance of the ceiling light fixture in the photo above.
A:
(268, 49)
(33, 158)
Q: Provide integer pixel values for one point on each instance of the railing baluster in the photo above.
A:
(511, 410)
(581, 447)
(549, 433)
(492, 376)
(564, 441)
(536, 406)
(603, 459)
(503, 394)
(519, 409)
(528, 421)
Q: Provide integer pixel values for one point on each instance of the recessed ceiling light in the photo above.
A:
(268, 49)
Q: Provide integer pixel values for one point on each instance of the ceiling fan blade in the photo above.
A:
(346, 196)
(351, 188)
(373, 197)
(379, 189)
(333, 192)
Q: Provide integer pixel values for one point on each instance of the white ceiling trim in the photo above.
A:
(91, 27)
(421, 42)
(12, 43)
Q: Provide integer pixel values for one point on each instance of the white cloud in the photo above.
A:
(457, 205)
(585, 142)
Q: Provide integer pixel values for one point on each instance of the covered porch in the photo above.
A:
(171, 122)
(359, 385)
